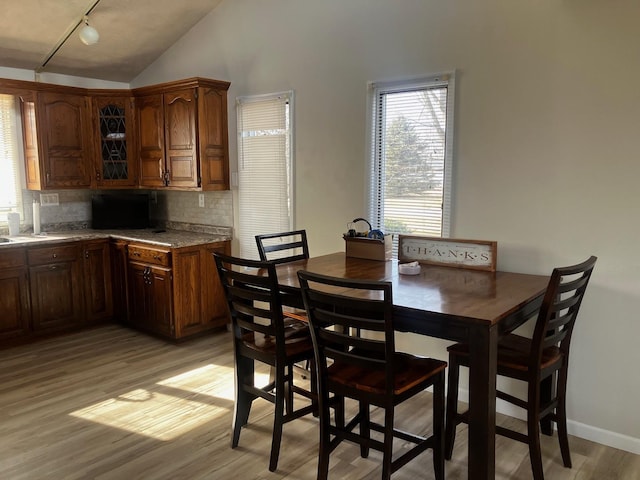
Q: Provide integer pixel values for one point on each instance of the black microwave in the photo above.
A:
(121, 210)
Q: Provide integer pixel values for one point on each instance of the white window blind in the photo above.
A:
(411, 156)
(265, 192)
(10, 186)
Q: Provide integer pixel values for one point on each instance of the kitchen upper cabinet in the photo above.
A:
(64, 140)
(172, 135)
(14, 294)
(183, 135)
(115, 163)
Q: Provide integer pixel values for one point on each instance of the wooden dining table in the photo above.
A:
(456, 304)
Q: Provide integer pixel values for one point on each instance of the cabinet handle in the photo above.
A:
(136, 254)
(48, 177)
(53, 267)
(156, 257)
(55, 255)
(86, 254)
(97, 175)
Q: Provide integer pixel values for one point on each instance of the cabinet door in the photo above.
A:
(56, 296)
(213, 138)
(188, 277)
(180, 138)
(151, 298)
(14, 302)
(114, 163)
(97, 281)
(65, 135)
(138, 296)
(119, 280)
(215, 304)
(161, 301)
(150, 117)
(30, 144)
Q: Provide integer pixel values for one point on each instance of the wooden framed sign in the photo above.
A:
(452, 252)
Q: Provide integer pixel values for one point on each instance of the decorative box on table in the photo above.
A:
(369, 248)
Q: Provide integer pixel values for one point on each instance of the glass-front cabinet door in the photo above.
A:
(115, 164)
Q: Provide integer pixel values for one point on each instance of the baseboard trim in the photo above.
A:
(581, 430)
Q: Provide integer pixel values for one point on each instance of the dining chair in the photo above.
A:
(261, 333)
(285, 247)
(541, 361)
(365, 367)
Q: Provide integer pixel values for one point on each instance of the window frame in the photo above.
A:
(375, 181)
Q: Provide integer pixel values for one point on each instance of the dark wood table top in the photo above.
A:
(468, 295)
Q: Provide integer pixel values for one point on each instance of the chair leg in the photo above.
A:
(387, 453)
(561, 416)
(242, 408)
(533, 432)
(339, 411)
(277, 418)
(313, 386)
(438, 427)
(288, 390)
(365, 431)
(452, 406)
(325, 437)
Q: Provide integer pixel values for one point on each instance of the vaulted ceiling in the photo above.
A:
(133, 33)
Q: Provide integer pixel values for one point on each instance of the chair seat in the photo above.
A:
(409, 372)
(296, 334)
(513, 353)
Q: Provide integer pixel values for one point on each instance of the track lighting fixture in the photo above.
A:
(88, 34)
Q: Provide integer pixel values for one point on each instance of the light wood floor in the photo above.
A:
(112, 403)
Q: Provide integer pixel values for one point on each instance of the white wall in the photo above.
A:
(58, 79)
(546, 152)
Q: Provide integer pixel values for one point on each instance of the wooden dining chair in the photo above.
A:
(365, 367)
(285, 247)
(542, 359)
(261, 333)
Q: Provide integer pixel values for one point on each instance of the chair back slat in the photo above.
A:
(253, 299)
(283, 247)
(349, 323)
(559, 309)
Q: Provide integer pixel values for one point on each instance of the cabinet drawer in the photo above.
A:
(12, 257)
(45, 255)
(151, 255)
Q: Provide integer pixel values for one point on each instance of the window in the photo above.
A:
(265, 187)
(10, 187)
(411, 156)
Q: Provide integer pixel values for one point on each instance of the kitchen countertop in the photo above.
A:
(166, 238)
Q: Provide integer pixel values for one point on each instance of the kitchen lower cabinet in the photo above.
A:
(175, 292)
(55, 275)
(14, 294)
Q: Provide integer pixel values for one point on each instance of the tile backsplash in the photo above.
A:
(170, 206)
